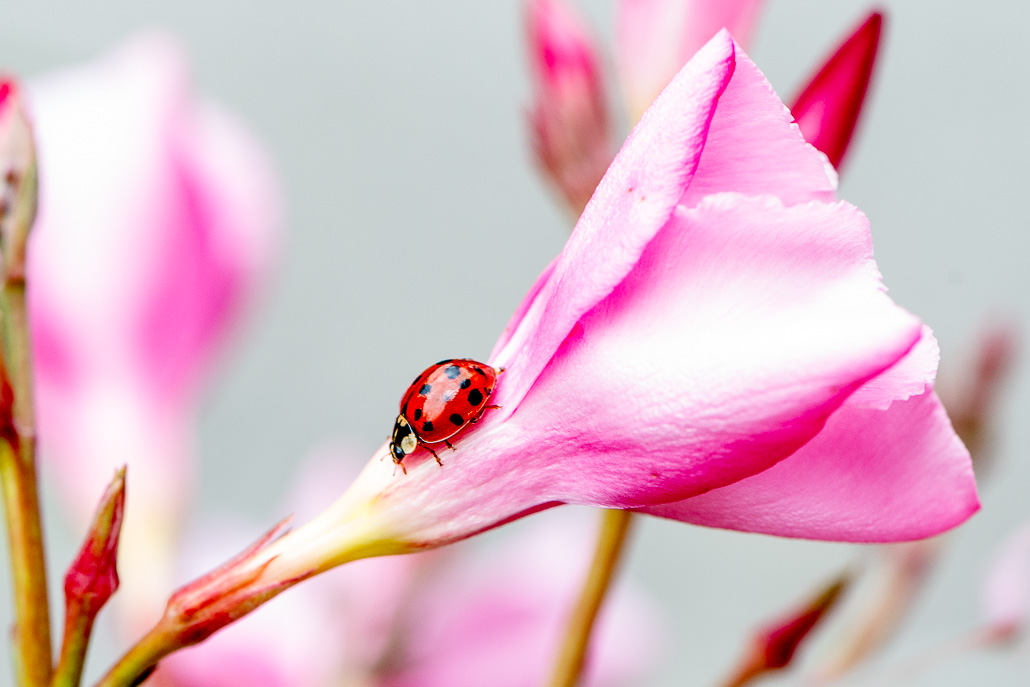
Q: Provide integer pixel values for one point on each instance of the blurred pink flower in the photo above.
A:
(156, 222)
(498, 618)
(714, 345)
(1006, 594)
(569, 123)
(827, 109)
(655, 38)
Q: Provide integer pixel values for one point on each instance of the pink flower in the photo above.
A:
(156, 221)
(569, 122)
(657, 37)
(1006, 593)
(828, 107)
(714, 344)
(497, 618)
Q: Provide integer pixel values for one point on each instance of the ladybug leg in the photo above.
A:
(492, 408)
(438, 461)
(449, 445)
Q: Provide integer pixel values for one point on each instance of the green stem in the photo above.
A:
(77, 629)
(132, 668)
(21, 495)
(614, 527)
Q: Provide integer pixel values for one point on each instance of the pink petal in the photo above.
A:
(214, 256)
(911, 376)
(742, 327)
(719, 104)
(870, 476)
(657, 37)
(828, 108)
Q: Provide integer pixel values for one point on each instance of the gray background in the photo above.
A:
(398, 132)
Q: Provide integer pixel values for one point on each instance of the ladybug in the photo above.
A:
(442, 401)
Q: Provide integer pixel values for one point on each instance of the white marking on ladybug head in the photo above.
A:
(408, 443)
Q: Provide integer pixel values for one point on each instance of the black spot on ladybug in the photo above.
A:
(475, 397)
(424, 391)
(427, 427)
(479, 370)
(466, 383)
(417, 415)
(452, 371)
(457, 420)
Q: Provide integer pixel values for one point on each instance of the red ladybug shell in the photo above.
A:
(446, 397)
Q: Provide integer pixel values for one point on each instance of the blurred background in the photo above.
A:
(415, 221)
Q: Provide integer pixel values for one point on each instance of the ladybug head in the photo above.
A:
(404, 440)
(398, 453)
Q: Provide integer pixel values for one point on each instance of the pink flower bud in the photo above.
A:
(828, 108)
(569, 121)
(18, 182)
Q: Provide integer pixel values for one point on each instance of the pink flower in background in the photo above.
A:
(569, 123)
(655, 38)
(827, 109)
(498, 618)
(156, 222)
(1006, 593)
(714, 345)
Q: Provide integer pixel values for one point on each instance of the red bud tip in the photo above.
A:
(93, 576)
(829, 106)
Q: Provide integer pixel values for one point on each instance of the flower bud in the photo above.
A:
(569, 121)
(92, 577)
(828, 108)
(18, 182)
(774, 645)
